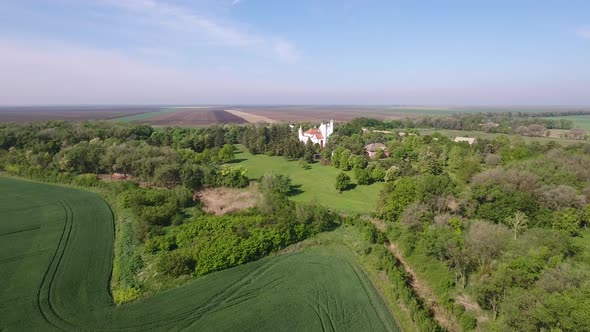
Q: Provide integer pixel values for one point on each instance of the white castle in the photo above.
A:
(317, 135)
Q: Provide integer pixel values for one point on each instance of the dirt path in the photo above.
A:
(252, 118)
(473, 307)
(441, 315)
(380, 224)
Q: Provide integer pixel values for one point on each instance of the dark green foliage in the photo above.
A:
(275, 184)
(226, 153)
(377, 173)
(568, 220)
(468, 322)
(235, 177)
(362, 176)
(176, 264)
(396, 197)
(127, 261)
(310, 151)
(165, 158)
(86, 180)
(160, 243)
(342, 181)
(217, 243)
(154, 208)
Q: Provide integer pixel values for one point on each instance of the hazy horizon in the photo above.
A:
(309, 52)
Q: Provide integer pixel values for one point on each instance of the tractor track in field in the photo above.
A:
(188, 317)
(19, 257)
(68, 290)
(21, 231)
(363, 281)
(49, 276)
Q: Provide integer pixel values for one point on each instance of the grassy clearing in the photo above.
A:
(580, 121)
(484, 135)
(220, 201)
(56, 253)
(315, 184)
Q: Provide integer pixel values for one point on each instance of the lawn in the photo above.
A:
(56, 253)
(316, 184)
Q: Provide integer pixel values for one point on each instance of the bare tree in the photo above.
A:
(518, 223)
(486, 241)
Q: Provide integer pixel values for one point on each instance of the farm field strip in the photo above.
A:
(40, 113)
(252, 118)
(56, 277)
(190, 117)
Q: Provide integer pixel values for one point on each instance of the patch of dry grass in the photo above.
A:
(226, 200)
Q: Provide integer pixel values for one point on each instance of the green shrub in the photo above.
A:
(125, 295)
(86, 180)
(160, 243)
(176, 264)
(468, 321)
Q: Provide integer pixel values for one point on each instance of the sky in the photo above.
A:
(390, 52)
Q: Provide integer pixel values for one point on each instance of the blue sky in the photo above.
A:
(295, 52)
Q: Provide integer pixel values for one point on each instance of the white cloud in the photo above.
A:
(584, 32)
(235, 2)
(168, 16)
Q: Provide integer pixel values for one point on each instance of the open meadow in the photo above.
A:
(315, 184)
(580, 121)
(56, 258)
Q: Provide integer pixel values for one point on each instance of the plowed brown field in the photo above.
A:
(194, 117)
(316, 114)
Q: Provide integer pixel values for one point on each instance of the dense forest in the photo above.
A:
(498, 221)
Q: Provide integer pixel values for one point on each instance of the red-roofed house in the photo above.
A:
(317, 135)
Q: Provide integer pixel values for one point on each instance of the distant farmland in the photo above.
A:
(187, 117)
(46, 113)
(193, 116)
(56, 253)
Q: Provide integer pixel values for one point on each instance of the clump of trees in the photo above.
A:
(207, 243)
(501, 227)
(76, 153)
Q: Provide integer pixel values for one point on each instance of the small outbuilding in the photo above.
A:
(373, 148)
(470, 140)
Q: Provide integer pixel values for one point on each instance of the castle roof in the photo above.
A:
(314, 132)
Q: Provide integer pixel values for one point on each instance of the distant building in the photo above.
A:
(317, 135)
(374, 147)
(470, 140)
